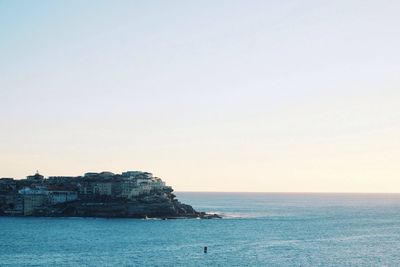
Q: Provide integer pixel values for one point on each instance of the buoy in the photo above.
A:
(205, 249)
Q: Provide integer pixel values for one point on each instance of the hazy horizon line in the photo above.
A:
(282, 192)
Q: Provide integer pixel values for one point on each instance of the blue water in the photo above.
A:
(258, 230)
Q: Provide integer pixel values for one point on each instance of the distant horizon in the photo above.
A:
(245, 192)
(271, 192)
(256, 192)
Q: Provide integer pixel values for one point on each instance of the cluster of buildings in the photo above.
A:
(26, 196)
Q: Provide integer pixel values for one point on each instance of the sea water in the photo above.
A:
(257, 230)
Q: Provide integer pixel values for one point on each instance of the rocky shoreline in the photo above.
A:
(160, 210)
(119, 209)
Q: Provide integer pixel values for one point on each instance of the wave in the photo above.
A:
(237, 215)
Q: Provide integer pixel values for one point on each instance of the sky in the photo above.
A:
(254, 96)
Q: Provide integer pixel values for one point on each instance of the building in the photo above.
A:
(33, 198)
(131, 174)
(62, 179)
(101, 175)
(85, 188)
(62, 196)
(158, 183)
(102, 188)
(33, 191)
(126, 188)
(36, 193)
(142, 189)
(7, 185)
(32, 202)
(106, 174)
(135, 192)
(35, 178)
(90, 174)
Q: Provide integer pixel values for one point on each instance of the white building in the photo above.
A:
(62, 196)
(33, 191)
(102, 188)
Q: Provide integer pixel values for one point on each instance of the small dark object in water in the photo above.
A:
(205, 249)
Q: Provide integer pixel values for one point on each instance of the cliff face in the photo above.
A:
(151, 207)
(126, 210)
(135, 195)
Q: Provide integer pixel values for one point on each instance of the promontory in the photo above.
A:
(131, 194)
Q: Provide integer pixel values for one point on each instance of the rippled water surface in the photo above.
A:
(258, 230)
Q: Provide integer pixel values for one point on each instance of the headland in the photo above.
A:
(131, 194)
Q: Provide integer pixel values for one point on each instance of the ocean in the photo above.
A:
(258, 229)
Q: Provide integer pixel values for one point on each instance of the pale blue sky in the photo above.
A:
(210, 95)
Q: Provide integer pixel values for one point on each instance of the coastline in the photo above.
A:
(131, 194)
